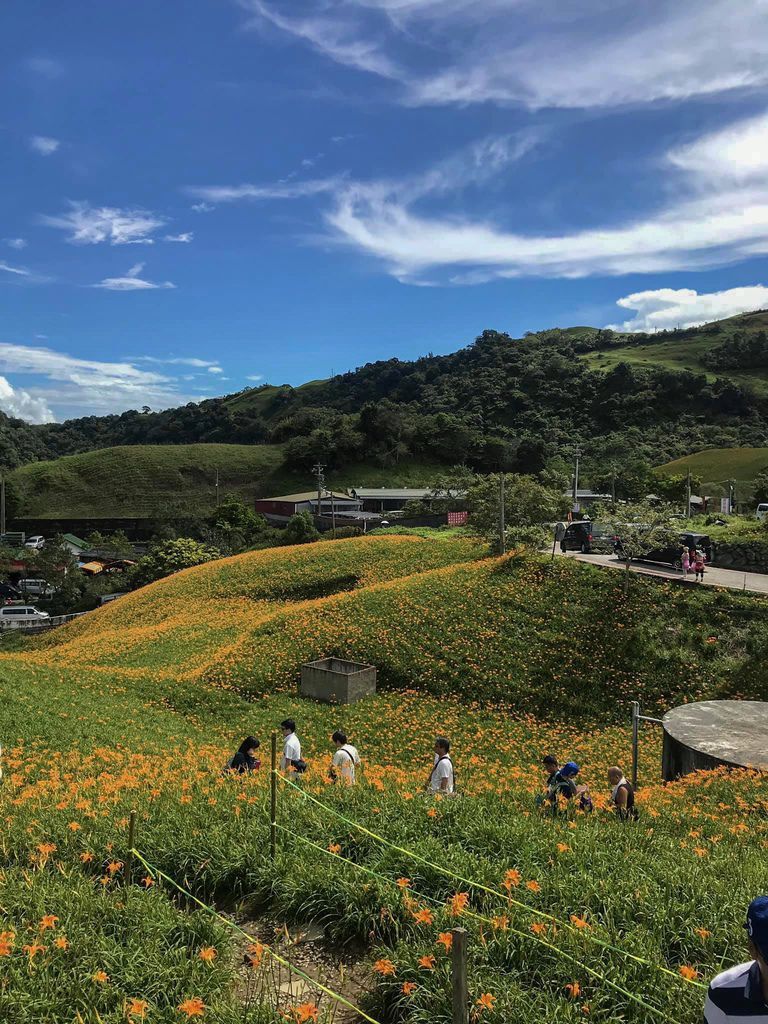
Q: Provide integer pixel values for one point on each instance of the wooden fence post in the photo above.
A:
(273, 800)
(131, 845)
(459, 991)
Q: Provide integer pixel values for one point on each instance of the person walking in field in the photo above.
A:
(740, 994)
(700, 560)
(442, 779)
(291, 762)
(246, 757)
(346, 759)
(622, 795)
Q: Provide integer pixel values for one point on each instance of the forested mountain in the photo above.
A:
(516, 402)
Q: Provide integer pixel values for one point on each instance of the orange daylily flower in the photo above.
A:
(512, 879)
(403, 882)
(194, 1007)
(702, 933)
(334, 848)
(486, 1001)
(207, 953)
(48, 921)
(459, 903)
(579, 922)
(427, 962)
(533, 885)
(573, 989)
(409, 987)
(385, 968)
(101, 977)
(423, 916)
(689, 973)
(62, 942)
(445, 939)
(304, 1012)
(137, 1008)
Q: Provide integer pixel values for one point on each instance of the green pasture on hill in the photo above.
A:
(160, 481)
(717, 465)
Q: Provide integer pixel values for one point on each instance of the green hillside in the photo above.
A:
(683, 350)
(159, 481)
(717, 465)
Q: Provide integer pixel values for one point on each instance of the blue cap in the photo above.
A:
(757, 923)
(570, 768)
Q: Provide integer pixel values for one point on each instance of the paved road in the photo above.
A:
(713, 577)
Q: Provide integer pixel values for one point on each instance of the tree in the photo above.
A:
(761, 487)
(642, 528)
(529, 504)
(300, 529)
(169, 557)
(233, 514)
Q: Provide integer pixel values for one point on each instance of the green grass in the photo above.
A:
(718, 465)
(161, 481)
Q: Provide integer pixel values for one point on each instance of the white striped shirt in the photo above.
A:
(736, 997)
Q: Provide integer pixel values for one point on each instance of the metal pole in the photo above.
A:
(576, 455)
(217, 488)
(333, 515)
(459, 990)
(131, 845)
(635, 740)
(502, 516)
(613, 486)
(2, 505)
(688, 497)
(273, 801)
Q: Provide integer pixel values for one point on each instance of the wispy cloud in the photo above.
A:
(278, 190)
(87, 225)
(16, 243)
(536, 53)
(255, 376)
(132, 282)
(20, 271)
(665, 308)
(45, 67)
(202, 207)
(184, 236)
(44, 144)
(202, 364)
(19, 403)
(215, 369)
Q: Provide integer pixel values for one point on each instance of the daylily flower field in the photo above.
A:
(138, 706)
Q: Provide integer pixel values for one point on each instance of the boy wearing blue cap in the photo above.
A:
(563, 784)
(741, 992)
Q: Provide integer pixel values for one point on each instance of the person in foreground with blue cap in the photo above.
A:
(740, 994)
(563, 785)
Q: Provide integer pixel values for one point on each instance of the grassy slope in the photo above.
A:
(717, 465)
(685, 353)
(88, 737)
(147, 481)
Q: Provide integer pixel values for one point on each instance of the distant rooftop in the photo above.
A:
(305, 496)
(404, 493)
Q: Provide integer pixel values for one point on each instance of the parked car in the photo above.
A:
(672, 555)
(36, 588)
(14, 616)
(761, 511)
(37, 542)
(586, 536)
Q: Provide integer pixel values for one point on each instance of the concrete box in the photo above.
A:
(337, 682)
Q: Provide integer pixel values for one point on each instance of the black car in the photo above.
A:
(586, 536)
(672, 555)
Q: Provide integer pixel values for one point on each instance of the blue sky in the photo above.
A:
(200, 198)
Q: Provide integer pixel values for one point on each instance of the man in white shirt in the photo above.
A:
(441, 780)
(740, 994)
(346, 759)
(291, 748)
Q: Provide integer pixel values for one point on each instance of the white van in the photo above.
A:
(762, 510)
(15, 615)
(36, 588)
(37, 542)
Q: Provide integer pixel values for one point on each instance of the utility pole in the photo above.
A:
(731, 495)
(317, 469)
(217, 488)
(502, 516)
(613, 485)
(576, 456)
(688, 496)
(333, 514)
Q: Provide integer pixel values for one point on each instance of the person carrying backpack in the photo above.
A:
(245, 758)
(622, 795)
(346, 759)
(442, 778)
(291, 763)
(563, 785)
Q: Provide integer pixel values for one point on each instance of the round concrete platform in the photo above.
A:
(711, 733)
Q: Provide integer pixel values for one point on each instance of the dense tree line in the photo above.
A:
(498, 404)
(741, 351)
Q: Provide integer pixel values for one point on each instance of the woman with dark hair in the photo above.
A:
(246, 759)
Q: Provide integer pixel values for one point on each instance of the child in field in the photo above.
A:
(699, 562)
(685, 562)
(245, 758)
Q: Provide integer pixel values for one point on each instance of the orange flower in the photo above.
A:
(403, 882)
(304, 1012)
(485, 1002)
(74, 826)
(148, 882)
(46, 849)
(86, 857)
(500, 923)
(423, 916)
(427, 962)
(256, 953)
(432, 813)
(409, 987)
(114, 867)
(702, 933)
(700, 851)
(533, 886)
(445, 939)
(538, 927)
(459, 903)
(49, 921)
(33, 949)
(62, 942)
(207, 953)
(100, 977)
(137, 1008)
(334, 848)
(194, 1007)
(573, 989)
(6, 943)
(512, 878)
(385, 968)
(689, 973)
(579, 922)
(563, 847)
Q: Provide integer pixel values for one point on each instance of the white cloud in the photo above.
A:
(132, 282)
(44, 144)
(215, 369)
(537, 53)
(177, 361)
(87, 225)
(202, 207)
(21, 404)
(21, 271)
(279, 190)
(84, 386)
(255, 376)
(184, 236)
(46, 67)
(736, 153)
(665, 308)
(16, 243)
